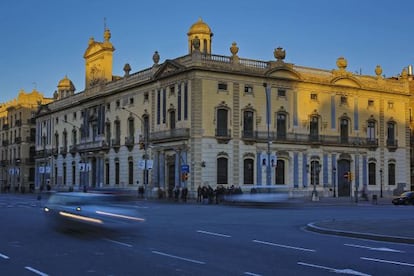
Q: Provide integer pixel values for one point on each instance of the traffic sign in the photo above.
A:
(185, 168)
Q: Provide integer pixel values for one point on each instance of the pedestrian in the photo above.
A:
(199, 194)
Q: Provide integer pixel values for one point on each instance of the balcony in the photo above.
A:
(129, 142)
(170, 135)
(223, 135)
(116, 143)
(4, 163)
(30, 139)
(5, 143)
(392, 144)
(31, 121)
(17, 140)
(6, 127)
(63, 150)
(72, 149)
(29, 160)
(18, 123)
(294, 138)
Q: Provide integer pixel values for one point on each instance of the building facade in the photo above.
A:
(207, 120)
(17, 133)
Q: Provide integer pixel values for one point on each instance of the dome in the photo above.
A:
(66, 84)
(199, 28)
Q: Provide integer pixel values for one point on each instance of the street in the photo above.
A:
(200, 239)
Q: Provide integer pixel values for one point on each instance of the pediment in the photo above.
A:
(167, 68)
(43, 109)
(283, 73)
(346, 81)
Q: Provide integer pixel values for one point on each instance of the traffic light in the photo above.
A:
(184, 176)
(141, 145)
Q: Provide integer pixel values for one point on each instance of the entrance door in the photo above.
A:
(344, 186)
(171, 179)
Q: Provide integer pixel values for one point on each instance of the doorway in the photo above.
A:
(344, 186)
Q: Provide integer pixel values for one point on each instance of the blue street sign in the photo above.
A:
(185, 168)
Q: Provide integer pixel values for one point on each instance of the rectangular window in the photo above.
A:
(131, 100)
(158, 107)
(146, 97)
(371, 103)
(108, 106)
(107, 173)
(118, 104)
(185, 101)
(314, 96)
(164, 105)
(179, 102)
(222, 86)
(172, 90)
(390, 105)
(117, 173)
(344, 100)
(248, 89)
(74, 116)
(281, 93)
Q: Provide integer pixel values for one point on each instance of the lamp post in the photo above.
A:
(268, 119)
(316, 170)
(145, 148)
(381, 179)
(334, 184)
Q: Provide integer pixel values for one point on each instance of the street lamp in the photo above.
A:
(334, 184)
(381, 177)
(268, 119)
(145, 147)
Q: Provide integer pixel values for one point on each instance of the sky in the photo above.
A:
(42, 41)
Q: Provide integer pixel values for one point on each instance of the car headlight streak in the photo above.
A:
(88, 219)
(119, 216)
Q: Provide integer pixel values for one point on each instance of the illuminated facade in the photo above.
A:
(17, 133)
(206, 114)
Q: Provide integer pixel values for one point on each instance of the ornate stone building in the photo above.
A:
(17, 134)
(207, 119)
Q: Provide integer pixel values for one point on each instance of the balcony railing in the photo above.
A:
(392, 144)
(5, 126)
(170, 135)
(5, 143)
(116, 143)
(4, 163)
(294, 138)
(18, 123)
(129, 141)
(18, 140)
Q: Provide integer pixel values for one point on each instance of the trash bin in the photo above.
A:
(374, 199)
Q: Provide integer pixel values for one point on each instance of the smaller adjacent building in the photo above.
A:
(17, 134)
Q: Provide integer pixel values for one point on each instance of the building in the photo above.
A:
(205, 119)
(17, 133)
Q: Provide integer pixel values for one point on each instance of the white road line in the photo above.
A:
(338, 271)
(35, 271)
(252, 274)
(386, 249)
(4, 256)
(120, 243)
(386, 261)
(177, 257)
(214, 234)
(284, 246)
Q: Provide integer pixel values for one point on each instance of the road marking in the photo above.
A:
(117, 242)
(177, 257)
(214, 234)
(284, 246)
(386, 261)
(252, 274)
(35, 271)
(340, 271)
(4, 256)
(375, 248)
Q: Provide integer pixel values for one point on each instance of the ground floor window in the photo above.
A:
(222, 170)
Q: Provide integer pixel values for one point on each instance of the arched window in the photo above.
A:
(248, 171)
(130, 171)
(344, 130)
(391, 174)
(372, 173)
(371, 131)
(222, 123)
(315, 172)
(281, 125)
(222, 170)
(280, 172)
(314, 128)
(248, 123)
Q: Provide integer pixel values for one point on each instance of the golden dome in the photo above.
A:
(199, 27)
(66, 84)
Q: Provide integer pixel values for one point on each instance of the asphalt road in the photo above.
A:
(193, 239)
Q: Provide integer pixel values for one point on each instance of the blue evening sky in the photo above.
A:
(44, 40)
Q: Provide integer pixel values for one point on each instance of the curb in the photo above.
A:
(369, 236)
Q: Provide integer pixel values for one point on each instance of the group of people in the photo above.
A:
(207, 194)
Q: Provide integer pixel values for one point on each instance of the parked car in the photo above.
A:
(69, 210)
(404, 199)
